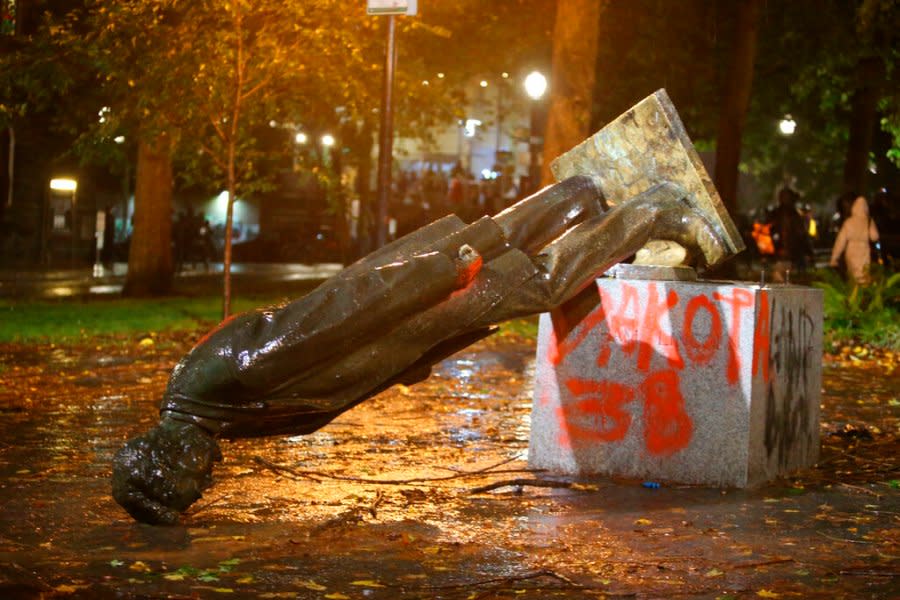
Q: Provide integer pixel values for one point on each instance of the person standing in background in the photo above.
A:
(790, 235)
(853, 240)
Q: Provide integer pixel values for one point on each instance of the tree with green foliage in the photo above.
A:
(168, 77)
(229, 69)
(646, 45)
(808, 55)
(214, 73)
(832, 66)
(209, 75)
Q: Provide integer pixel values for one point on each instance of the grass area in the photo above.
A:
(526, 328)
(63, 320)
(868, 315)
(58, 321)
(862, 314)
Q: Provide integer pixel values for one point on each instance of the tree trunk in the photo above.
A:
(7, 162)
(231, 175)
(575, 39)
(863, 119)
(24, 10)
(362, 150)
(150, 266)
(226, 259)
(735, 103)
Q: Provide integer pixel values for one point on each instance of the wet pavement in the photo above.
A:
(193, 278)
(384, 502)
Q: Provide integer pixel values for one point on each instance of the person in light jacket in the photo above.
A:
(853, 240)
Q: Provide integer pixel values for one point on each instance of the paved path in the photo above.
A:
(62, 283)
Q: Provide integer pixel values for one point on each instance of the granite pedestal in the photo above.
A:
(682, 381)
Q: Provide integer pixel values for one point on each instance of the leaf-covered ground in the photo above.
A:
(301, 517)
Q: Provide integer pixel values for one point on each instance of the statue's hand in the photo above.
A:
(158, 475)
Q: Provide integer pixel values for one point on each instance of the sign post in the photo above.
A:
(392, 7)
(386, 133)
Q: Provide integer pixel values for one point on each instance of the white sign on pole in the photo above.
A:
(392, 7)
(100, 228)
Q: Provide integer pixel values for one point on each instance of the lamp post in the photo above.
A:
(300, 141)
(786, 127)
(327, 142)
(385, 135)
(535, 87)
(499, 115)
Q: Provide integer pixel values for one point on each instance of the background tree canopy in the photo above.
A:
(214, 75)
(814, 57)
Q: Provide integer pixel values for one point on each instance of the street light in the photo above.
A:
(328, 140)
(300, 138)
(535, 87)
(63, 185)
(787, 125)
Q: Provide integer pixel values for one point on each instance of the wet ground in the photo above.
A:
(304, 517)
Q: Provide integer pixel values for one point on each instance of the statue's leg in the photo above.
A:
(535, 221)
(571, 261)
(514, 284)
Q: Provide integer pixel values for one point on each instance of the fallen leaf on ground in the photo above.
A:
(311, 585)
(367, 583)
(68, 588)
(140, 566)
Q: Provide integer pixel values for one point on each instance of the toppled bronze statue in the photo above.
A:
(389, 317)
